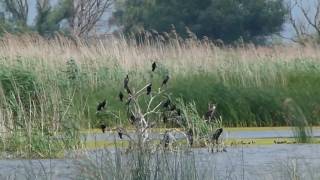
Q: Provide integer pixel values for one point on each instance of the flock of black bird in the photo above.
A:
(167, 105)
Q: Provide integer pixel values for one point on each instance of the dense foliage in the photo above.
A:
(228, 20)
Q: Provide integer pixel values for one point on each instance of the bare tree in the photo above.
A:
(85, 14)
(307, 29)
(19, 9)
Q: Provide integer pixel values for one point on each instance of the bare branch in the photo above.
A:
(86, 14)
(19, 9)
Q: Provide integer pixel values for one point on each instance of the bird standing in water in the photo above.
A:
(149, 87)
(154, 65)
(101, 105)
(120, 132)
(121, 96)
(166, 79)
(190, 136)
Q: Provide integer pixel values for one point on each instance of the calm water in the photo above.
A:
(256, 162)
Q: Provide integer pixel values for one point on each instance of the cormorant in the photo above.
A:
(126, 81)
(216, 135)
(167, 103)
(209, 114)
(101, 105)
(173, 107)
(120, 132)
(121, 96)
(179, 112)
(149, 87)
(154, 65)
(103, 128)
(190, 136)
(166, 79)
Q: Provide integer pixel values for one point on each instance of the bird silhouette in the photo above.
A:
(210, 113)
(103, 128)
(179, 112)
(166, 139)
(126, 82)
(165, 118)
(166, 79)
(166, 103)
(149, 87)
(101, 105)
(121, 96)
(120, 132)
(132, 119)
(154, 65)
(216, 135)
(190, 136)
(173, 107)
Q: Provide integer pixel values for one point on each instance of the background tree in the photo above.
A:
(80, 16)
(228, 20)
(84, 15)
(307, 28)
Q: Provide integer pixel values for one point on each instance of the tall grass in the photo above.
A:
(69, 77)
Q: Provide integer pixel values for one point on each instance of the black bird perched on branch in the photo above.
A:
(167, 103)
(210, 113)
(154, 65)
(149, 87)
(166, 79)
(101, 105)
(126, 81)
(103, 128)
(132, 119)
(121, 96)
(216, 135)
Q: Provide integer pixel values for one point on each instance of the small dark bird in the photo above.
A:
(190, 136)
(167, 103)
(216, 135)
(101, 105)
(165, 118)
(121, 96)
(126, 81)
(210, 113)
(103, 128)
(179, 112)
(132, 119)
(154, 65)
(120, 132)
(149, 87)
(166, 139)
(166, 79)
(173, 107)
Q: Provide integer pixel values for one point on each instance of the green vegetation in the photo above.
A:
(228, 20)
(52, 87)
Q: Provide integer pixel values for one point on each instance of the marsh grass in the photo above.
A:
(54, 85)
(301, 129)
